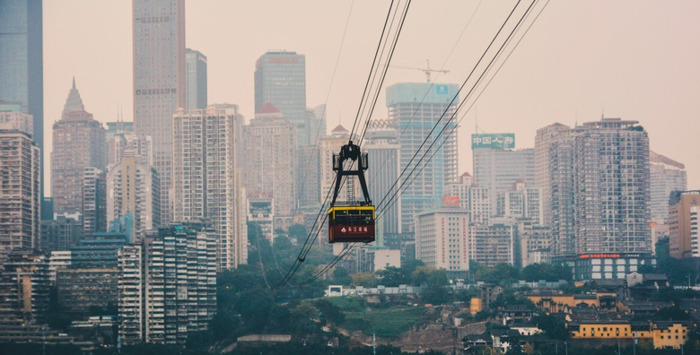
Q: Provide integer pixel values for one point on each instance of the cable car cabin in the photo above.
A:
(351, 224)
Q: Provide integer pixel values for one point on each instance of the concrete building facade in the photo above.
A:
(442, 238)
(78, 143)
(207, 182)
(159, 80)
(417, 108)
(20, 192)
(196, 63)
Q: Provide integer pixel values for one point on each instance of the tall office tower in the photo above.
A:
(417, 108)
(21, 64)
(599, 178)
(78, 142)
(442, 238)
(12, 118)
(309, 177)
(206, 178)
(384, 155)
(680, 221)
(134, 187)
(94, 204)
(270, 166)
(159, 81)
(167, 285)
(492, 245)
(544, 139)
(280, 80)
(666, 176)
(474, 199)
(196, 79)
(20, 194)
(497, 166)
(521, 201)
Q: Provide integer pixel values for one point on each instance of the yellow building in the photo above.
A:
(663, 334)
(669, 334)
(563, 303)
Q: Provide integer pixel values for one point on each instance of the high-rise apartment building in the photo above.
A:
(270, 161)
(667, 176)
(442, 238)
(196, 79)
(544, 139)
(280, 80)
(167, 285)
(680, 223)
(134, 187)
(474, 199)
(22, 68)
(493, 244)
(384, 155)
(417, 108)
(94, 204)
(599, 178)
(20, 194)
(521, 201)
(159, 80)
(309, 177)
(24, 289)
(78, 142)
(125, 145)
(206, 178)
(497, 166)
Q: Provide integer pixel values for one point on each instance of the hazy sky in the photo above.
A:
(638, 60)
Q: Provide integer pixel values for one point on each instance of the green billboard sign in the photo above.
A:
(494, 140)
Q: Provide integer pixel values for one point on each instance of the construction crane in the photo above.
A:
(427, 69)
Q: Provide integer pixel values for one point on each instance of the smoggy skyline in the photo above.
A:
(634, 60)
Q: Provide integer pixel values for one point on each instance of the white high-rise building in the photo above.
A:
(167, 285)
(20, 194)
(442, 238)
(270, 161)
(497, 166)
(473, 198)
(134, 187)
(206, 178)
(417, 108)
(544, 139)
(159, 80)
(384, 155)
(521, 201)
(599, 178)
(667, 176)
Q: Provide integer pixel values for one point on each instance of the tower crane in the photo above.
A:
(426, 70)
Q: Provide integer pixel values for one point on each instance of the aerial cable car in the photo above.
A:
(351, 221)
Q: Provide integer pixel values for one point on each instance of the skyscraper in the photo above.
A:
(473, 198)
(206, 178)
(159, 80)
(19, 191)
(21, 63)
(544, 139)
(196, 79)
(497, 166)
(280, 80)
(383, 149)
(167, 285)
(134, 187)
(683, 211)
(599, 178)
(667, 176)
(417, 108)
(94, 203)
(270, 165)
(78, 142)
